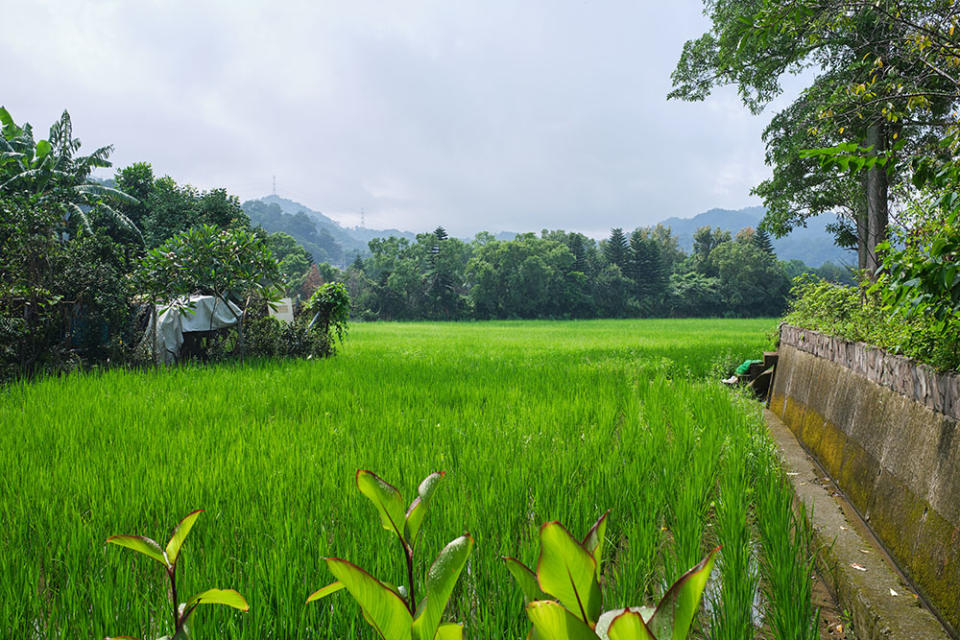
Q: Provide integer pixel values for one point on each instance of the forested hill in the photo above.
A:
(813, 245)
(327, 241)
(320, 235)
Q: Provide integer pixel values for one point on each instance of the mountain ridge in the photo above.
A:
(331, 242)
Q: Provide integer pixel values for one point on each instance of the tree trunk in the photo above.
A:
(862, 238)
(877, 188)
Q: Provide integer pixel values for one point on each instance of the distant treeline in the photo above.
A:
(559, 274)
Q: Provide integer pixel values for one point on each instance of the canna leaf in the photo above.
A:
(141, 544)
(179, 535)
(385, 498)
(449, 631)
(606, 619)
(553, 621)
(568, 572)
(333, 587)
(441, 578)
(593, 542)
(629, 626)
(226, 597)
(675, 612)
(527, 580)
(382, 607)
(418, 508)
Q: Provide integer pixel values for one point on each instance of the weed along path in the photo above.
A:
(531, 421)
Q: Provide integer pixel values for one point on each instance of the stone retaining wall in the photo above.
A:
(883, 427)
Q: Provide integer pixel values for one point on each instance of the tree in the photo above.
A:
(53, 169)
(761, 238)
(705, 240)
(616, 248)
(647, 270)
(231, 264)
(751, 281)
(876, 90)
(291, 258)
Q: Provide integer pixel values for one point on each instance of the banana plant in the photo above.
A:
(393, 611)
(564, 601)
(168, 557)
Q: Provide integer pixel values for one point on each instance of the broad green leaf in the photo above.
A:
(551, 620)
(333, 587)
(43, 148)
(607, 618)
(593, 542)
(625, 624)
(226, 597)
(418, 508)
(385, 498)
(441, 578)
(382, 607)
(179, 535)
(568, 572)
(449, 631)
(675, 612)
(141, 544)
(527, 580)
(5, 118)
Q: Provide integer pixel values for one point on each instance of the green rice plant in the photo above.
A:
(564, 599)
(391, 610)
(516, 411)
(732, 607)
(168, 557)
(786, 564)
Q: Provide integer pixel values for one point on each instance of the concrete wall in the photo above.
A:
(883, 427)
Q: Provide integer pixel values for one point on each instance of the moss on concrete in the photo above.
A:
(875, 456)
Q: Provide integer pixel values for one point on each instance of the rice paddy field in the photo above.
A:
(532, 422)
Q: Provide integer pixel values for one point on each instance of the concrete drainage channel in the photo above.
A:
(854, 567)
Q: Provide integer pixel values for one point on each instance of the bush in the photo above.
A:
(267, 336)
(860, 314)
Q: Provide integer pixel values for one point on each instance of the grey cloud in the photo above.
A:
(480, 115)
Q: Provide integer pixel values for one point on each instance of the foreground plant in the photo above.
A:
(392, 610)
(564, 601)
(168, 557)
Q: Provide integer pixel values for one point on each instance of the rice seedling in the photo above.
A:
(786, 564)
(532, 421)
(732, 606)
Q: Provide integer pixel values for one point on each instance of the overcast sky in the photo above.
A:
(475, 115)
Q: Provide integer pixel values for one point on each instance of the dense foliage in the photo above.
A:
(885, 81)
(560, 274)
(859, 314)
(79, 257)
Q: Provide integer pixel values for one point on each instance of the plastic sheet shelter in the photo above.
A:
(168, 323)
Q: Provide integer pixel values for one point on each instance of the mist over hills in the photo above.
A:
(813, 245)
(324, 238)
(327, 241)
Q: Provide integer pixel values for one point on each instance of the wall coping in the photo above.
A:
(939, 392)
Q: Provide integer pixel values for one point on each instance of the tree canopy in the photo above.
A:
(884, 80)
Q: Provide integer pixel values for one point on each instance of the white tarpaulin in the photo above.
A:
(282, 310)
(205, 313)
